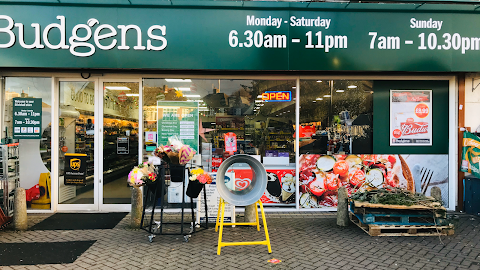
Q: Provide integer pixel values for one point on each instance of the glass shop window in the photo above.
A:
(253, 117)
(26, 119)
(336, 117)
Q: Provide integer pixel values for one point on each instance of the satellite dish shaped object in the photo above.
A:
(253, 192)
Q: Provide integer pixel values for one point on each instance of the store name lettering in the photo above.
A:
(277, 96)
(82, 97)
(78, 44)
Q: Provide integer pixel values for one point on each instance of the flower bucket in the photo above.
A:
(177, 173)
(194, 188)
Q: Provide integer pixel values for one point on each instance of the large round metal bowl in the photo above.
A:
(253, 192)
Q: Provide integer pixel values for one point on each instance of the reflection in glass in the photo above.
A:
(120, 139)
(336, 116)
(262, 127)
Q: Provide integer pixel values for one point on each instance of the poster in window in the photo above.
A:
(178, 118)
(410, 117)
(27, 118)
(75, 169)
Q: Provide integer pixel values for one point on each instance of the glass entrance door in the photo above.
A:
(76, 144)
(98, 127)
(120, 120)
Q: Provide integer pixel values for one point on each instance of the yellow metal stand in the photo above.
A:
(220, 223)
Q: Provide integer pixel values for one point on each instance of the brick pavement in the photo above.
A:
(308, 240)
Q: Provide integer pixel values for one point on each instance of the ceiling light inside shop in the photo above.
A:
(191, 95)
(314, 101)
(294, 87)
(319, 98)
(352, 86)
(178, 80)
(183, 88)
(258, 101)
(319, 81)
(259, 96)
(124, 88)
(203, 109)
(326, 96)
(340, 91)
(132, 95)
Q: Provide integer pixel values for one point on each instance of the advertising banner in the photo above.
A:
(410, 117)
(178, 118)
(281, 184)
(27, 118)
(471, 154)
(212, 202)
(322, 175)
(75, 169)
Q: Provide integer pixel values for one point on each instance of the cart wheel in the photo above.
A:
(150, 238)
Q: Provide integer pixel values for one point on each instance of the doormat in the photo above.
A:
(79, 221)
(42, 253)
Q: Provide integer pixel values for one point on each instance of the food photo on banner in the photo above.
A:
(322, 175)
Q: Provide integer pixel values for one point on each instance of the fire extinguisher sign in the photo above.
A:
(410, 117)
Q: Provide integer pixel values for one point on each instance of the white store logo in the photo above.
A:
(102, 31)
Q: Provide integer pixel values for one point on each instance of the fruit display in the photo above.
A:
(321, 175)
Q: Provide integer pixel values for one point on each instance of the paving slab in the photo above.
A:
(301, 240)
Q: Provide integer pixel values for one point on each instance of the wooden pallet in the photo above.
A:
(402, 230)
(379, 214)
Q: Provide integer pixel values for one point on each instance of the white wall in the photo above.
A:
(472, 101)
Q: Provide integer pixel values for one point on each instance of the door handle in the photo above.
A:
(99, 181)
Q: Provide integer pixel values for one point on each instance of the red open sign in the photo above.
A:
(277, 96)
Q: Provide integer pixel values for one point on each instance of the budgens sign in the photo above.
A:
(224, 36)
(78, 44)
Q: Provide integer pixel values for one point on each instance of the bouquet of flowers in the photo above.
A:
(200, 175)
(142, 174)
(176, 152)
(198, 179)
